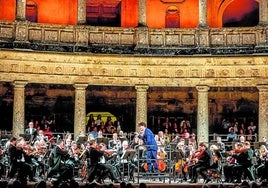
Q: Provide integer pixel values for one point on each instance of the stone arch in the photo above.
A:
(222, 7)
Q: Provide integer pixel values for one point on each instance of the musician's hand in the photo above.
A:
(136, 133)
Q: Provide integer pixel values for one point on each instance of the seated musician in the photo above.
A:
(204, 160)
(244, 163)
(125, 163)
(261, 163)
(2, 167)
(114, 143)
(17, 157)
(58, 166)
(181, 156)
(95, 168)
(231, 161)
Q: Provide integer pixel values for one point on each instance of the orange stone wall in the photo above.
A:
(7, 10)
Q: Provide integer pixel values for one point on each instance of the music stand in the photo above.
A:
(128, 154)
(103, 140)
(27, 137)
(81, 140)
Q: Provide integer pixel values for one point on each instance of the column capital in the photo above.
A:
(20, 83)
(141, 87)
(262, 88)
(202, 88)
(80, 86)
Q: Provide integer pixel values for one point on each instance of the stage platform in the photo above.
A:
(150, 183)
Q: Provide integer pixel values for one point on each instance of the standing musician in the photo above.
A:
(58, 166)
(95, 168)
(17, 162)
(203, 161)
(151, 147)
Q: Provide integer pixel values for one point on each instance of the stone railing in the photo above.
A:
(50, 37)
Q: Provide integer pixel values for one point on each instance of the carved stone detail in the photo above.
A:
(154, 71)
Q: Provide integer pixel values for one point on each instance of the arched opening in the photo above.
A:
(31, 11)
(104, 13)
(241, 14)
(172, 17)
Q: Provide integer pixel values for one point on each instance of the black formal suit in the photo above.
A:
(17, 163)
(205, 160)
(58, 165)
(244, 165)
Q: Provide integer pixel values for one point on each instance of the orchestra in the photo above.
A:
(99, 161)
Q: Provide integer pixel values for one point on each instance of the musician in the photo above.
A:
(231, 161)
(31, 130)
(181, 156)
(261, 162)
(17, 162)
(125, 163)
(59, 156)
(151, 147)
(2, 167)
(114, 143)
(204, 160)
(96, 169)
(41, 136)
(244, 163)
(220, 145)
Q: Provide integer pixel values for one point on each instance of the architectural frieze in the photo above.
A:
(132, 70)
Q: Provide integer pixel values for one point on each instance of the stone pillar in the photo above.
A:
(263, 14)
(19, 108)
(202, 13)
(82, 12)
(141, 104)
(80, 108)
(142, 13)
(21, 10)
(263, 114)
(202, 114)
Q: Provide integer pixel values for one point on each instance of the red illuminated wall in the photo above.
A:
(7, 10)
(129, 13)
(156, 13)
(57, 11)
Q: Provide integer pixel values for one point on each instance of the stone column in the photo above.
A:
(263, 114)
(263, 14)
(141, 104)
(202, 114)
(21, 10)
(82, 12)
(19, 108)
(142, 13)
(80, 108)
(202, 13)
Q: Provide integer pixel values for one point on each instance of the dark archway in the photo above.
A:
(172, 17)
(31, 11)
(241, 14)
